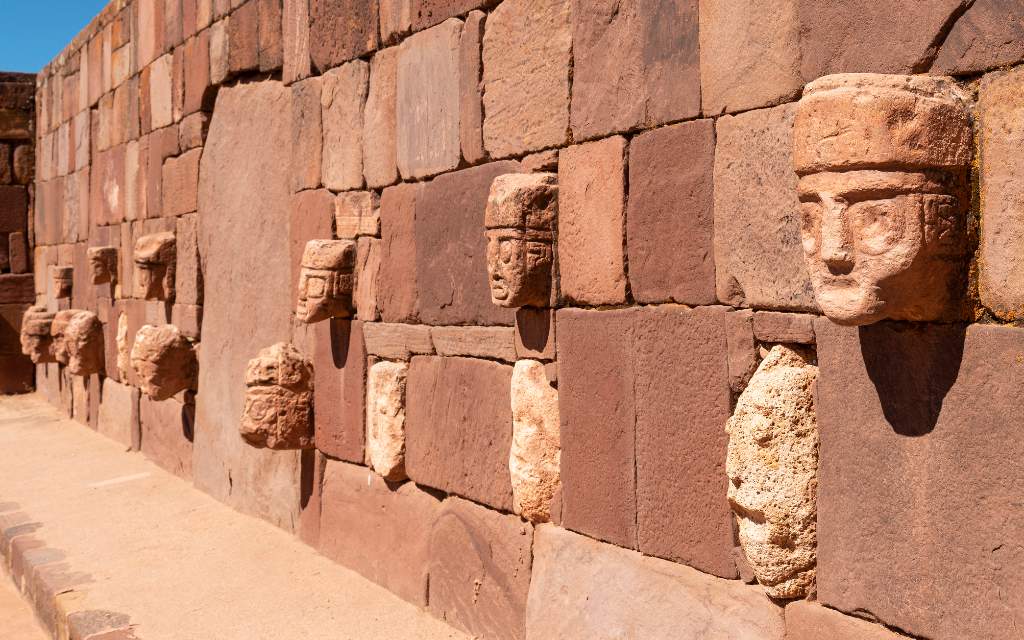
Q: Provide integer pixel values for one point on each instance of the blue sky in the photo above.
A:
(33, 32)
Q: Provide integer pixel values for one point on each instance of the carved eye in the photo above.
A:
(507, 251)
(810, 226)
(880, 224)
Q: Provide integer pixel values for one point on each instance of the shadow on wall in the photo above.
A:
(912, 370)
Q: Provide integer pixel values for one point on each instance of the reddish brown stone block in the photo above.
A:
(163, 144)
(172, 24)
(243, 39)
(18, 256)
(670, 223)
(16, 288)
(270, 36)
(197, 74)
(95, 73)
(399, 295)
(295, 40)
(397, 341)
(307, 134)
(459, 427)
(427, 13)
(809, 621)
(311, 216)
(535, 333)
(917, 475)
(180, 189)
(192, 131)
(989, 35)
(188, 272)
(365, 526)
(339, 367)
(629, 70)
(380, 162)
(167, 434)
(480, 568)
(772, 326)
(471, 117)
(14, 209)
(340, 30)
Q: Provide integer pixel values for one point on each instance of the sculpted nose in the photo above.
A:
(836, 240)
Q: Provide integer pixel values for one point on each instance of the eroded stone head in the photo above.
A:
(883, 163)
(63, 279)
(36, 337)
(164, 361)
(154, 257)
(326, 280)
(278, 411)
(102, 264)
(520, 219)
(79, 343)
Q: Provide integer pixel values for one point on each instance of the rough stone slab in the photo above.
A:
(480, 565)
(243, 39)
(339, 367)
(535, 333)
(397, 341)
(471, 116)
(670, 222)
(356, 213)
(918, 469)
(161, 114)
(340, 30)
(586, 590)
(368, 264)
(773, 326)
(168, 429)
(295, 41)
(748, 59)
(307, 134)
(365, 525)
(399, 295)
(271, 46)
(311, 216)
(119, 413)
(497, 343)
(526, 56)
(809, 621)
(343, 94)
(989, 35)
(458, 425)
(16, 288)
(759, 261)
(181, 184)
(380, 142)
(629, 68)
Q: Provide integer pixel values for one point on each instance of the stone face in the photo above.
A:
(458, 427)
(536, 449)
(586, 590)
(526, 57)
(591, 223)
(36, 338)
(307, 134)
(810, 621)
(63, 281)
(155, 261)
(380, 141)
(181, 184)
(427, 110)
(161, 113)
(163, 360)
(326, 280)
(385, 419)
(629, 68)
(670, 222)
(278, 411)
(917, 474)
(751, 58)
(343, 94)
(102, 264)
(908, 139)
(989, 35)
(1001, 274)
(340, 30)
(773, 472)
(480, 565)
(758, 257)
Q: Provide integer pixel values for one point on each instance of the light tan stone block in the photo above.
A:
(385, 419)
(342, 98)
(534, 459)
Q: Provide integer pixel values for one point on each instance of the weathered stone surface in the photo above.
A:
(385, 419)
(307, 134)
(451, 250)
(496, 343)
(536, 449)
(535, 333)
(295, 40)
(773, 472)
(670, 223)
(758, 257)
(248, 137)
(167, 431)
(181, 184)
(326, 280)
(397, 341)
(340, 30)
(629, 69)
(458, 427)
(368, 264)
(119, 412)
(161, 113)
(219, 51)
(917, 475)
(356, 213)
(270, 35)
(773, 326)
(340, 367)
(480, 566)
(591, 206)
(380, 135)
(343, 94)
(989, 35)
(80, 339)
(196, 71)
(278, 411)
(526, 57)
(243, 39)
(427, 110)
(163, 360)
(310, 219)
(155, 261)
(102, 264)
(743, 350)
(748, 59)
(471, 116)
(586, 590)
(366, 525)
(809, 621)
(399, 294)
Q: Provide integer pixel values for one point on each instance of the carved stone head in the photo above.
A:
(57, 330)
(63, 279)
(163, 360)
(326, 280)
(278, 411)
(520, 218)
(36, 339)
(78, 341)
(154, 266)
(883, 163)
(102, 264)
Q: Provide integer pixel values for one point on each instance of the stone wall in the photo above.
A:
(682, 419)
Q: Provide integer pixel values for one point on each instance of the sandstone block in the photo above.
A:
(395, 19)
(243, 39)
(197, 73)
(163, 144)
(149, 31)
(743, 350)
(459, 427)
(670, 223)
(536, 449)
(990, 34)
(809, 621)
(270, 36)
(526, 54)
(591, 205)
(385, 419)
(342, 98)
(471, 117)
(180, 189)
(188, 273)
(167, 431)
(583, 589)
(310, 219)
(628, 70)
(339, 394)
(356, 213)
(14, 208)
(480, 565)
(496, 343)
(399, 295)
(380, 142)
(397, 341)
(340, 30)
(773, 326)
(161, 113)
(535, 334)
(295, 41)
(192, 131)
(119, 412)
(172, 23)
(748, 59)
(219, 51)
(427, 104)
(164, 361)
(368, 265)
(758, 256)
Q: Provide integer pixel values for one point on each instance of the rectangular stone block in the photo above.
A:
(772, 326)
(172, 24)
(471, 116)
(160, 89)
(399, 295)
(16, 288)
(181, 183)
(670, 223)
(586, 590)
(342, 98)
(14, 208)
(917, 499)
(341, 30)
(219, 51)
(149, 32)
(365, 525)
(397, 341)
(295, 40)
(380, 135)
(188, 273)
(459, 427)
(495, 343)
(591, 222)
(307, 135)
(630, 71)
(168, 429)
(759, 258)
(989, 34)
(314, 465)
(339, 367)
(16, 374)
(270, 36)
(243, 39)
(119, 412)
(356, 213)
(197, 74)
(809, 621)
(480, 567)
(535, 333)
(368, 256)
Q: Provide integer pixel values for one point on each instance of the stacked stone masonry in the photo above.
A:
(558, 318)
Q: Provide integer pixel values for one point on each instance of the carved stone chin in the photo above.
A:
(63, 280)
(326, 281)
(102, 264)
(163, 360)
(883, 163)
(278, 411)
(36, 337)
(520, 219)
(154, 258)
